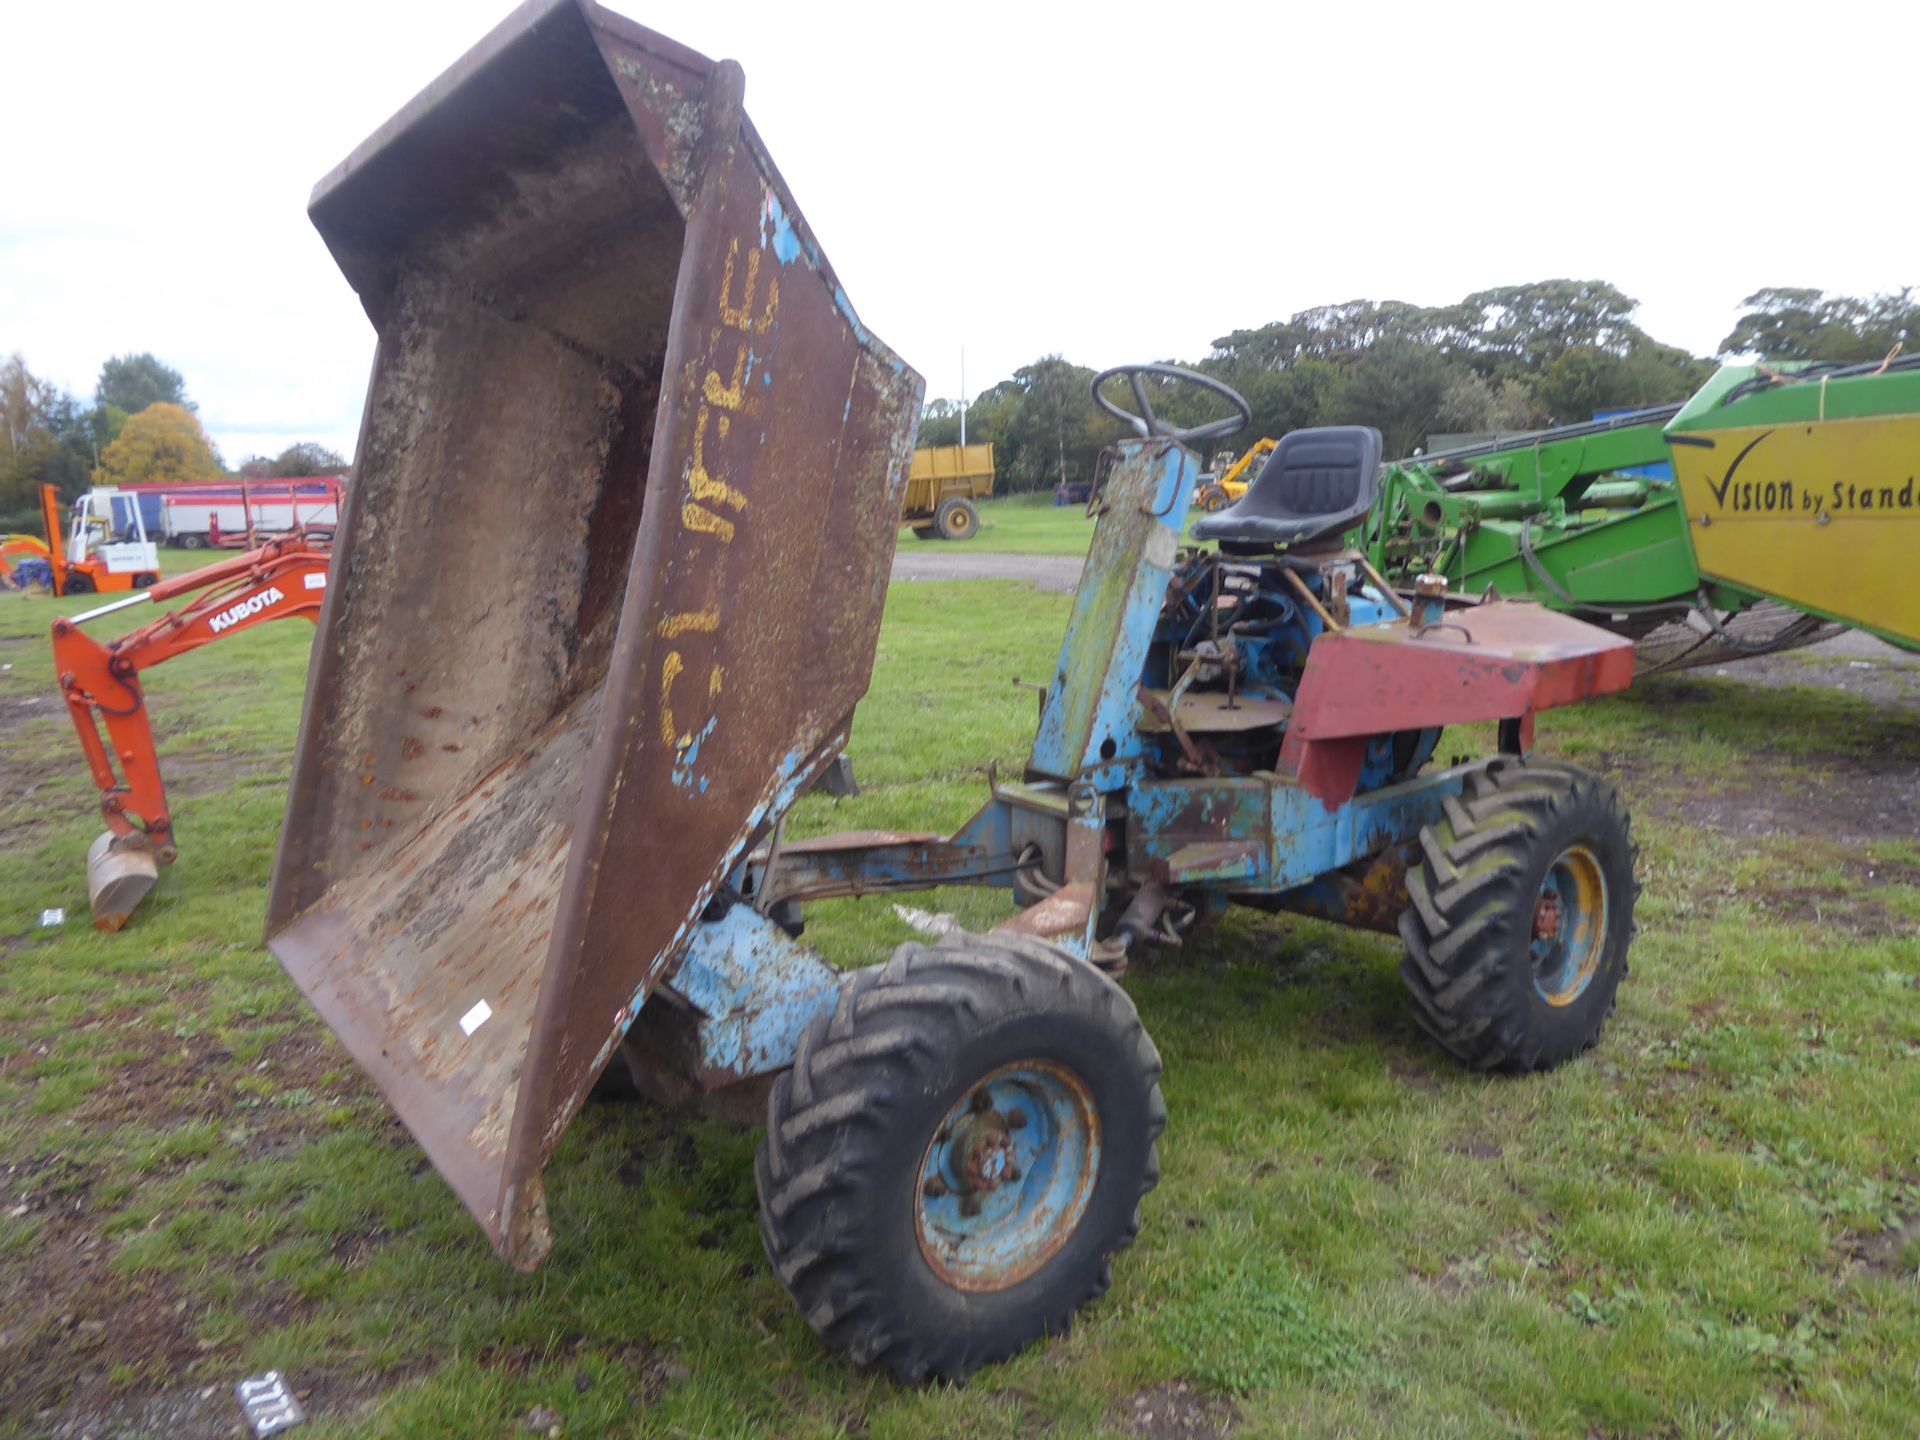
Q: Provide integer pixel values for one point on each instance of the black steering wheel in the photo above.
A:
(1146, 423)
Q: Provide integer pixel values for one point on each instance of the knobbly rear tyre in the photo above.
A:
(1525, 841)
(856, 1212)
(956, 520)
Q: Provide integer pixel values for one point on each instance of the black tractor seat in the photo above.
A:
(1316, 483)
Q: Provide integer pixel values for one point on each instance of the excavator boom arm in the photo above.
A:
(100, 681)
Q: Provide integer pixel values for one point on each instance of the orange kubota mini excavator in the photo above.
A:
(101, 684)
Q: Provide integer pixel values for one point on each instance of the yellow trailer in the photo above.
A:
(941, 487)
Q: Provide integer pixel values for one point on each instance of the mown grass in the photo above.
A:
(1031, 525)
(1708, 1227)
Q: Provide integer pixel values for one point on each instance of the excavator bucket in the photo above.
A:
(611, 573)
(118, 879)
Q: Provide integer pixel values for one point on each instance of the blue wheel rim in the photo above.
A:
(1569, 926)
(1007, 1176)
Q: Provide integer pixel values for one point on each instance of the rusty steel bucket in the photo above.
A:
(615, 550)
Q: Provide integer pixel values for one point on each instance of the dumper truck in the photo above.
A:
(537, 818)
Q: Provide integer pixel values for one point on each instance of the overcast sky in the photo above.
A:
(1003, 178)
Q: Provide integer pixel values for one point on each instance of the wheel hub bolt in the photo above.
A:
(983, 1152)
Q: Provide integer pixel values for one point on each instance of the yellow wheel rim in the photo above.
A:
(1569, 926)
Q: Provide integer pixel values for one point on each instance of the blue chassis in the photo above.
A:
(751, 989)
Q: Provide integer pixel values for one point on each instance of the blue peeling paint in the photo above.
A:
(846, 309)
(1300, 840)
(1091, 707)
(685, 775)
(757, 987)
(778, 228)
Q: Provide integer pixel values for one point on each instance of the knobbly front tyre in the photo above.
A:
(1521, 916)
(958, 1152)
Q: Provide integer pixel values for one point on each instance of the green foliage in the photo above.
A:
(45, 439)
(940, 423)
(1042, 423)
(1397, 386)
(1782, 323)
(1473, 405)
(311, 458)
(1527, 327)
(1587, 379)
(1514, 357)
(133, 382)
(161, 444)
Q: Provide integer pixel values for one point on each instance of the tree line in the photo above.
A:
(1517, 357)
(1513, 358)
(139, 428)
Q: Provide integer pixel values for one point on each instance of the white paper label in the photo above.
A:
(476, 1017)
(317, 580)
(268, 1405)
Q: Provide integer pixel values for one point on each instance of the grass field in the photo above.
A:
(1709, 1227)
(1030, 525)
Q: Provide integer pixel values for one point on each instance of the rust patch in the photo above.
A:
(1062, 913)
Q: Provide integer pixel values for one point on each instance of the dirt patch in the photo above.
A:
(1854, 664)
(651, 1373)
(22, 771)
(211, 1412)
(1477, 1148)
(204, 773)
(1884, 1252)
(71, 1317)
(1828, 907)
(160, 1080)
(19, 704)
(1411, 1073)
(1177, 1412)
(1849, 799)
(86, 1346)
(1462, 1275)
(1841, 763)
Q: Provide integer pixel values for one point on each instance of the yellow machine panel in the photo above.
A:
(1824, 514)
(952, 462)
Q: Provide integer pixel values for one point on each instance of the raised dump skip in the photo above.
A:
(619, 532)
